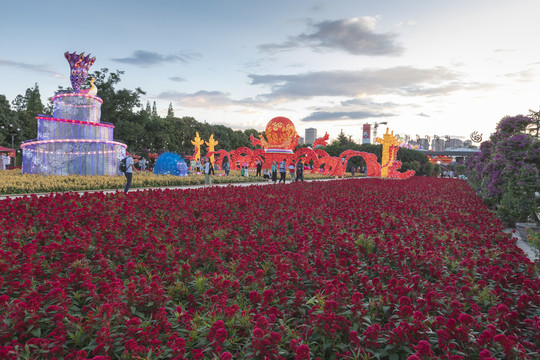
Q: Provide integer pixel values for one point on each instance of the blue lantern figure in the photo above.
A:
(182, 168)
(170, 164)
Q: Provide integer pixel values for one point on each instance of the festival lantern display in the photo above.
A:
(197, 142)
(280, 142)
(281, 136)
(170, 164)
(389, 162)
(441, 159)
(73, 141)
(211, 143)
(282, 139)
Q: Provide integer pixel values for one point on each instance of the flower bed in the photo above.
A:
(416, 269)
(13, 182)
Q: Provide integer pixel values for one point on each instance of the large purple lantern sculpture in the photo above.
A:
(74, 141)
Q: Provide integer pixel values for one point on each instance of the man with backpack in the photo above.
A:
(126, 166)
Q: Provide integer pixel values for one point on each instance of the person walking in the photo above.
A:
(129, 172)
(226, 168)
(292, 170)
(282, 170)
(274, 171)
(208, 170)
(299, 170)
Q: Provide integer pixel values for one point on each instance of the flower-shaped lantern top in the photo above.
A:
(79, 65)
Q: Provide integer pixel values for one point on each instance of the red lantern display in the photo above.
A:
(281, 136)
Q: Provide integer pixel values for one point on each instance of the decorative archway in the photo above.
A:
(243, 155)
(222, 155)
(372, 166)
(330, 165)
(309, 155)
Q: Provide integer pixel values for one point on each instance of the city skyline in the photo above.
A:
(423, 67)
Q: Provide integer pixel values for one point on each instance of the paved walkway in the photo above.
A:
(521, 243)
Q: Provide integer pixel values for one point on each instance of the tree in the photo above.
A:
(116, 103)
(148, 108)
(506, 172)
(7, 117)
(27, 107)
(534, 127)
(34, 104)
(343, 139)
(154, 110)
(170, 111)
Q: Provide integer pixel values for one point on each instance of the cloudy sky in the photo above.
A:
(426, 67)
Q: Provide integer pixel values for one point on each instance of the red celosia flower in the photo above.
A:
(302, 352)
(225, 356)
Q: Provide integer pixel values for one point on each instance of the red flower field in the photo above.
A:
(350, 269)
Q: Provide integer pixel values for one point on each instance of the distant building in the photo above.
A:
(423, 143)
(437, 144)
(311, 135)
(300, 141)
(467, 143)
(453, 144)
(366, 134)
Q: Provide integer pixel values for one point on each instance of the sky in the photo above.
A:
(425, 67)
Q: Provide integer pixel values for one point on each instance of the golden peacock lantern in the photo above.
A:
(281, 136)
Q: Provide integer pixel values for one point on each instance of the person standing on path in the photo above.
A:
(128, 173)
(259, 168)
(274, 172)
(226, 168)
(282, 170)
(208, 169)
(292, 170)
(299, 170)
(142, 164)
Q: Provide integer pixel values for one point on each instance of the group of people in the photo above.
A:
(360, 170)
(198, 166)
(4, 161)
(207, 168)
(295, 170)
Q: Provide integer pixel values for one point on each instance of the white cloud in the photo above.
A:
(356, 36)
(146, 58)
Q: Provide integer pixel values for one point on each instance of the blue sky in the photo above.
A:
(425, 67)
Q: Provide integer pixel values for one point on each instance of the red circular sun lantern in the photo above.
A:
(280, 135)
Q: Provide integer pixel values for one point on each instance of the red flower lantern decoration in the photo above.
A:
(281, 136)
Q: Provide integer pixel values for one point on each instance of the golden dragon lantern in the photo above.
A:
(389, 151)
(211, 143)
(197, 142)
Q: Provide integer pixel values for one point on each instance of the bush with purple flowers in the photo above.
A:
(506, 172)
